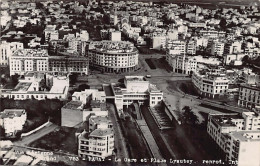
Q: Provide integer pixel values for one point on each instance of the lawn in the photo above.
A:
(150, 63)
(188, 88)
(62, 139)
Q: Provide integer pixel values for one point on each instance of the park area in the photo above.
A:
(61, 139)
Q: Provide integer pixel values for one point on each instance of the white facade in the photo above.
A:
(158, 42)
(7, 49)
(12, 120)
(113, 56)
(237, 136)
(98, 141)
(210, 84)
(182, 64)
(217, 48)
(249, 96)
(30, 87)
(115, 36)
(137, 89)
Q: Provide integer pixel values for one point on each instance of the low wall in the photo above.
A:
(33, 131)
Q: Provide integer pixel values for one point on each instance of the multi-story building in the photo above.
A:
(7, 49)
(210, 84)
(249, 96)
(136, 89)
(233, 47)
(236, 134)
(182, 64)
(217, 48)
(12, 120)
(233, 59)
(191, 47)
(115, 36)
(113, 56)
(50, 33)
(176, 47)
(27, 60)
(98, 141)
(36, 85)
(78, 44)
(158, 42)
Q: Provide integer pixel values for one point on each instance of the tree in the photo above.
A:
(223, 23)
(188, 117)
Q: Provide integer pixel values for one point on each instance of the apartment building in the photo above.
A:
(27, 60)
(210, 84)
(50, 33)
(113, 56)
(182, 64)
(217, 48)
(12, 120)
(233, 47)
(176, 47)
(78, 44)
(115, 36)
(233, 59)
(7, 49)
(33, 85)
(237, 135)
(158, 42)
(249, 96)
(191, 47)
(97, 141)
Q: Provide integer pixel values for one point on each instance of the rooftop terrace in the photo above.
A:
(226, 120)
(31, 53)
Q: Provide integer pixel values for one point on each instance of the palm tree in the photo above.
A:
(188, 117)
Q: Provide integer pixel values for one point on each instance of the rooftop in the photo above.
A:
(226, 119)
(98, 104)
(112, 46)
(10, 113)
(22, 86)
(31, 53)
(246, 136)
(73, 105)
(253, 87)
(102, 132)
(100, 119)
(134, 78)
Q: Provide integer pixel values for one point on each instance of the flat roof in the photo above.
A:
(73, 105)
(134, 78)
(246, 136)
(226, 120)
(22, 86)
(100, 119)
(101, 132)
(253, 87)
(10, 113)
(31, 53)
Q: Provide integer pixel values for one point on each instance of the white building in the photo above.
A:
(7, 49)
(28, 60)
(78, 43)
(182, 64)
(217, 48)
(158, 42)
(176, 47)
(249, 96)
(210, 84)
(98, 141)
(238, 135)
(113, 56)
(50, 33)
(233, 59)
(12, 120)
(33, 86)
(115, 36)
(137, 89)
